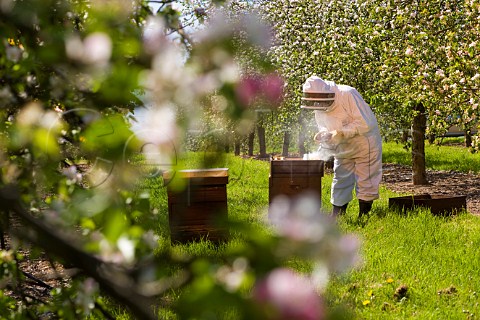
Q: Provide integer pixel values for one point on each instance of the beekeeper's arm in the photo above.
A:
(363, 118)
(324, 135)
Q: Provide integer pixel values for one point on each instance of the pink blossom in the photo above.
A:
(291, 295)
(247, 90)
(268, 87)
(272, 88)
(347, 253)
(409, 51)
(299, 220)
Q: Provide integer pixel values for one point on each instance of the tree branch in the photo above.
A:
(112, 279)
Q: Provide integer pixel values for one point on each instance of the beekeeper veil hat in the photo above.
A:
(317, 95)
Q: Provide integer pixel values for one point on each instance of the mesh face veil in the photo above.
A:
(317, 95)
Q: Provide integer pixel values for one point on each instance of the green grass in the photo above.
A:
(443, 157)
(434, 258)
(247, 188)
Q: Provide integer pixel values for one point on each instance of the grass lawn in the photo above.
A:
(444, 157)
(415, 265)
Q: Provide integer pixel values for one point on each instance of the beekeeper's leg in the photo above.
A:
(368, 173)
(342, 184)
(339, 210)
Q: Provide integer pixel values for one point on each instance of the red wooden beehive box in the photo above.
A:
(197, 205)
(294, 176)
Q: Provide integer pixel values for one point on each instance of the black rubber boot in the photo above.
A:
(338, 210)
(364, 207)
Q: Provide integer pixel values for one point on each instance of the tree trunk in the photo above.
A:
(228, 139)
(261, 140)
(468, 138)
(236, 145)
(251, 139)
(405, 136)
(418, 146)
(286, 143)
(301, 135)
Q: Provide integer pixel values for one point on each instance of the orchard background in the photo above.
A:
(99, 97)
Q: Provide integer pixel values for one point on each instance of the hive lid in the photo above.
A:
(204, 173)
(197, 173)
(291, 166)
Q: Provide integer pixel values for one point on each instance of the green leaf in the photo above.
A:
(46, 143)
(115, 225)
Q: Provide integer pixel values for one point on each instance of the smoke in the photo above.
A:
(321, 154)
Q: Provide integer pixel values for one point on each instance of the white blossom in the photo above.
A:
(95, 49)
(312, 233)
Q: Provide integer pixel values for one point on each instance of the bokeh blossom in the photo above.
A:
(310, 233)
(255, 88)
(290, 295)
(95, 49)
(154, 37)
(85, 298)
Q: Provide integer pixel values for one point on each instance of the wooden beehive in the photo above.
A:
(438, 204)
(294, 176)
(197, 205)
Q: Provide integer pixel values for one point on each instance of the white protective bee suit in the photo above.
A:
(348, 127)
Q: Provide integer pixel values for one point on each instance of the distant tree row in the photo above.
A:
(415, 62)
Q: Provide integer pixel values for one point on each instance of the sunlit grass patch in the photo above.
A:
(408, 260)
(436, 157)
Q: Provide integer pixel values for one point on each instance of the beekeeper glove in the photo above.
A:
(335, 137)
(322, 136)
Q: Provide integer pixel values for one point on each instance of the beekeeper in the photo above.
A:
(349, 129)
